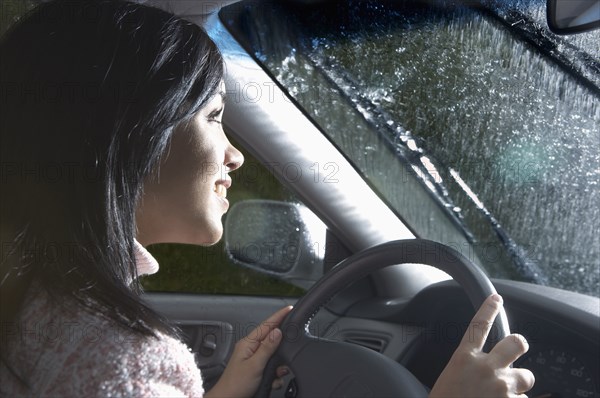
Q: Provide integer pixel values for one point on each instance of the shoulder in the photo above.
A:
(79, 353)
(123, 364)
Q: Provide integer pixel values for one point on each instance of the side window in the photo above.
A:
(210, 270)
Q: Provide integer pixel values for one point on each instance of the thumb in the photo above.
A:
(267, 347)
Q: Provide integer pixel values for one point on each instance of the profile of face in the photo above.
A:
(186, 200)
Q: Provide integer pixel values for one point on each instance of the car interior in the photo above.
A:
(367, 266)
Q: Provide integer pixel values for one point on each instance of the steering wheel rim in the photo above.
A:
(385, 376)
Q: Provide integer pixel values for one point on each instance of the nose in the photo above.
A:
(233, 158)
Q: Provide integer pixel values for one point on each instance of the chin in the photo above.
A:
(210, 236)
(202, 231)
(210, 242)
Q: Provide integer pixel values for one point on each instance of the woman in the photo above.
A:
(93, 93)
(108, 109)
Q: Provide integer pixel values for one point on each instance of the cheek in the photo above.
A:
(208, 161)
(207, 171)
(202, 171)
(193, 164)
(191, 159)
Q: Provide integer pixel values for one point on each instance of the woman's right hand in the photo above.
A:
(474, 373)
(244, 371)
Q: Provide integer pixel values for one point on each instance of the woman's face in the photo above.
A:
(185, 201)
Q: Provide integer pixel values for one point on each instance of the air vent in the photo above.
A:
(373, 343)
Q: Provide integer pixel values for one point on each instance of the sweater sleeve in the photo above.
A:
(136, 366)
(66, 351)
(162, 390)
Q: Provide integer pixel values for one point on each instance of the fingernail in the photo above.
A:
(497, 298)
(276, 335)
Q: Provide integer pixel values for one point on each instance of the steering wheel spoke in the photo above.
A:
(348, 370)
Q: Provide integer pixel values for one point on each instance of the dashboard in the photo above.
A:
(421, 333)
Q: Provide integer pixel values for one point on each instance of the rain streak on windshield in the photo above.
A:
(513, 140)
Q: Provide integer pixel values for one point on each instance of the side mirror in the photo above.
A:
(284, 240)
(572, 16)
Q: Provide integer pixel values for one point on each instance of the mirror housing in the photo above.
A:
(572, 16)
(280, 239)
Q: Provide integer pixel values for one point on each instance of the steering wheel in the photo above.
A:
(326, 368)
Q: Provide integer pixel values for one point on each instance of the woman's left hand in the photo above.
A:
(474, 373)
(244, 371)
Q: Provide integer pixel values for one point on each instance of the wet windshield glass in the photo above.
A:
(500, 137)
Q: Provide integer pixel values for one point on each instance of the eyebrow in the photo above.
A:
(223, 96)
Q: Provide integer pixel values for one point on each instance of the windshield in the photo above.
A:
(459, 123)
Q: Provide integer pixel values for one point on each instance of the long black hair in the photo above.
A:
(91, 91)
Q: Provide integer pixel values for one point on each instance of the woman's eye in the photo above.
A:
(215, 116)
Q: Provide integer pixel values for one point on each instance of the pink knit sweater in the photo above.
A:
(78, 354)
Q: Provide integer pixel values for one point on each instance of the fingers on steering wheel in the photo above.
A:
(509, 350)
(523, 380)
(482, 322)
(280, 373)
(277, 384)
(265, 328)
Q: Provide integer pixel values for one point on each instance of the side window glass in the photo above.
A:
(210, 270)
